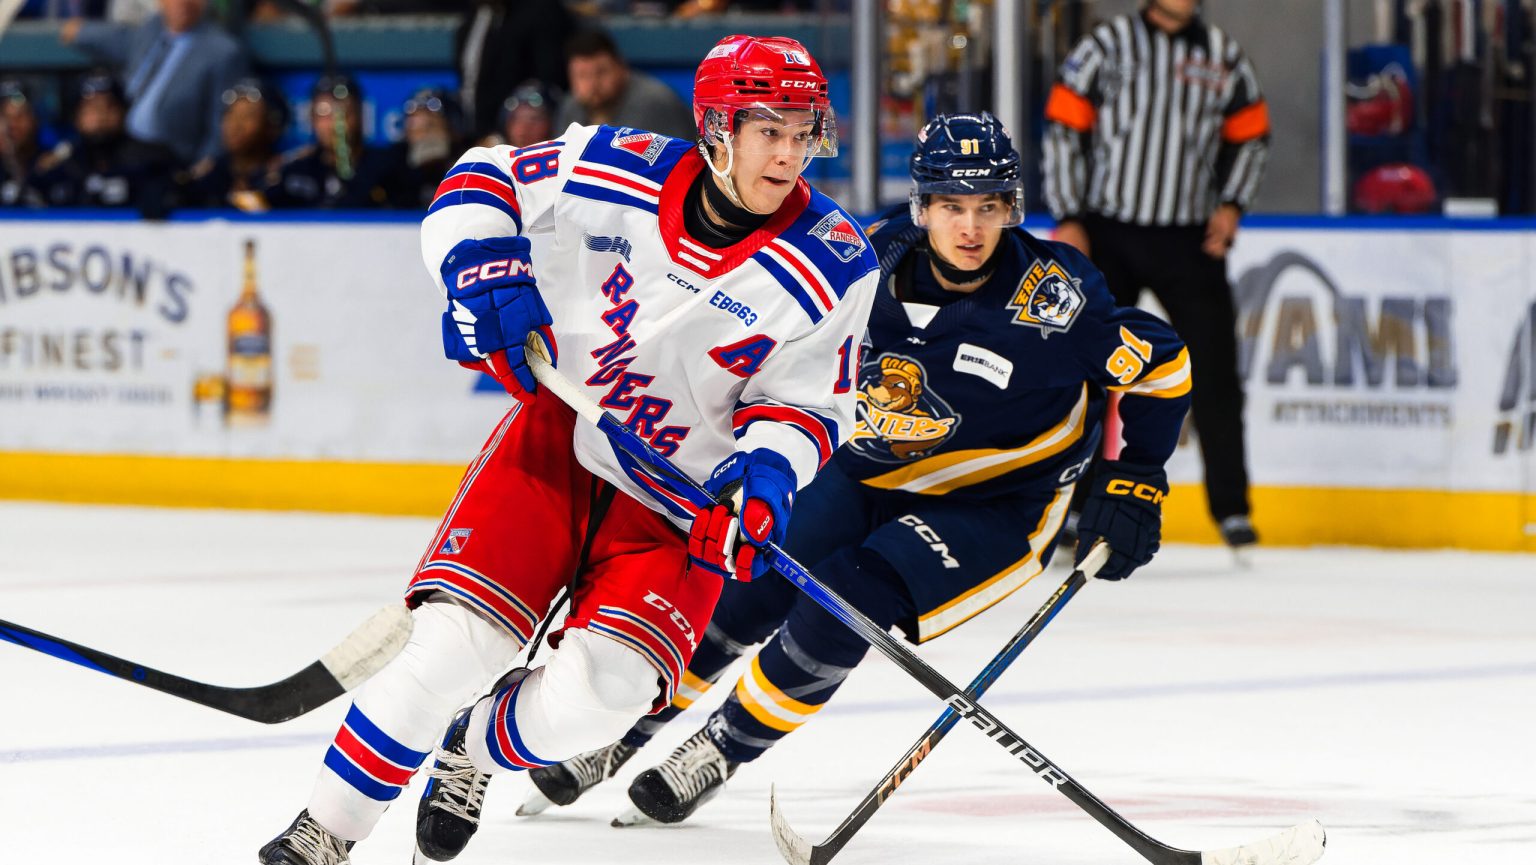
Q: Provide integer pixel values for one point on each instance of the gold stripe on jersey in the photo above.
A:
(768, 704)
(947, 472)
(1170, 380)
(1012, 578)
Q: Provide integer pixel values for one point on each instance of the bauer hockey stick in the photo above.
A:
(797, 850)
(364, 652)
(1298, 845)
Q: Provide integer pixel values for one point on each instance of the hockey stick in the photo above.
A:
(797, 850)
(1298, 845)
(364, 652)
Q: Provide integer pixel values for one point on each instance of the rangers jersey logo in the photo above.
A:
(840, 236)
(1048, 298)
(457, 538)
(646, 145)
(899, 417)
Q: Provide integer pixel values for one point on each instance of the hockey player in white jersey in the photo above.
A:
(703, 293)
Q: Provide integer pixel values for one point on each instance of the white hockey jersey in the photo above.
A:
(701, 351)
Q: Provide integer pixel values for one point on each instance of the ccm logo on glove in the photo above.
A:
(1145, 492)
(492, 270)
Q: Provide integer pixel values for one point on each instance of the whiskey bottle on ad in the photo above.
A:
(250, 353)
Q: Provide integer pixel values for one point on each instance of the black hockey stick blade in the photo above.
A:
(364, 652)
(797, 851)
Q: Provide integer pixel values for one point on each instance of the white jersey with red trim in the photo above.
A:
(701, 351)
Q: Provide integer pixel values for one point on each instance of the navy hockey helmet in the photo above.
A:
(966, 154)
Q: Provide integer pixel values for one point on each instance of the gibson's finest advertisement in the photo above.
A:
(308, 341)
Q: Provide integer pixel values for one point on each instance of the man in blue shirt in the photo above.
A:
(175, 68)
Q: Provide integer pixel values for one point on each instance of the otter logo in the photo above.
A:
(1516, 426)
(899, 418)
(1047, 298)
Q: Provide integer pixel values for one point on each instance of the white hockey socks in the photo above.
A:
(398, 715)
(588, 695)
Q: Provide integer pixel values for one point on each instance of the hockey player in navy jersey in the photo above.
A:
(708, 297)
(980, 397)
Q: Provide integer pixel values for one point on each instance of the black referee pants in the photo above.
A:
(1193, 288)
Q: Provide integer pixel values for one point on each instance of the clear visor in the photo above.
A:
(952, 211)
(799, 131)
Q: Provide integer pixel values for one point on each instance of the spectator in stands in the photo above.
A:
(528, 115)
(503, 43)
(21, 153)
(255, 115)
(105, 166)
(177, 67)
(338, 169)
(432, 143)
(604, 89)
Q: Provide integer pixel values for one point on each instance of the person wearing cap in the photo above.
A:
(528, 115)
(431, 143)
(255, 115)
(175, 67)
(21, 153)
(338, 170)
(604, 89)
(104, 165)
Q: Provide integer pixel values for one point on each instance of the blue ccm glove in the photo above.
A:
(1125, 508)
(766, 484)
(493, 305)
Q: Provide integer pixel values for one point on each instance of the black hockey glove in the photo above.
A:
(1125, 508)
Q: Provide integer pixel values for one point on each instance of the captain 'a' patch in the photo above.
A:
(1047, 297)
(899, 417)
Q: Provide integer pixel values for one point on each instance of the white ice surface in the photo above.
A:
(1390, 694)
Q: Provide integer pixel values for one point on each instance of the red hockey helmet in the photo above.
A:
(1397, 187)
(763, 77)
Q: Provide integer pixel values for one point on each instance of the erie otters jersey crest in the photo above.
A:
(701, 351)
(1001, 392)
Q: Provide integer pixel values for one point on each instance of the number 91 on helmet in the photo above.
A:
(963, 155)
(757, 94)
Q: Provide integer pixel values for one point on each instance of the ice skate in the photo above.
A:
(1238, 534)
(671, 792)
(305, 842)
(449, 812)
(563, 783)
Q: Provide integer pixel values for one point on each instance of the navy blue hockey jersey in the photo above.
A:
(1002, 391)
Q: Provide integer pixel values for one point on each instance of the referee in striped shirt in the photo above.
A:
(1155, 142)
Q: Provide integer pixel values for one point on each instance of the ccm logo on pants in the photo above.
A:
(931, 537)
